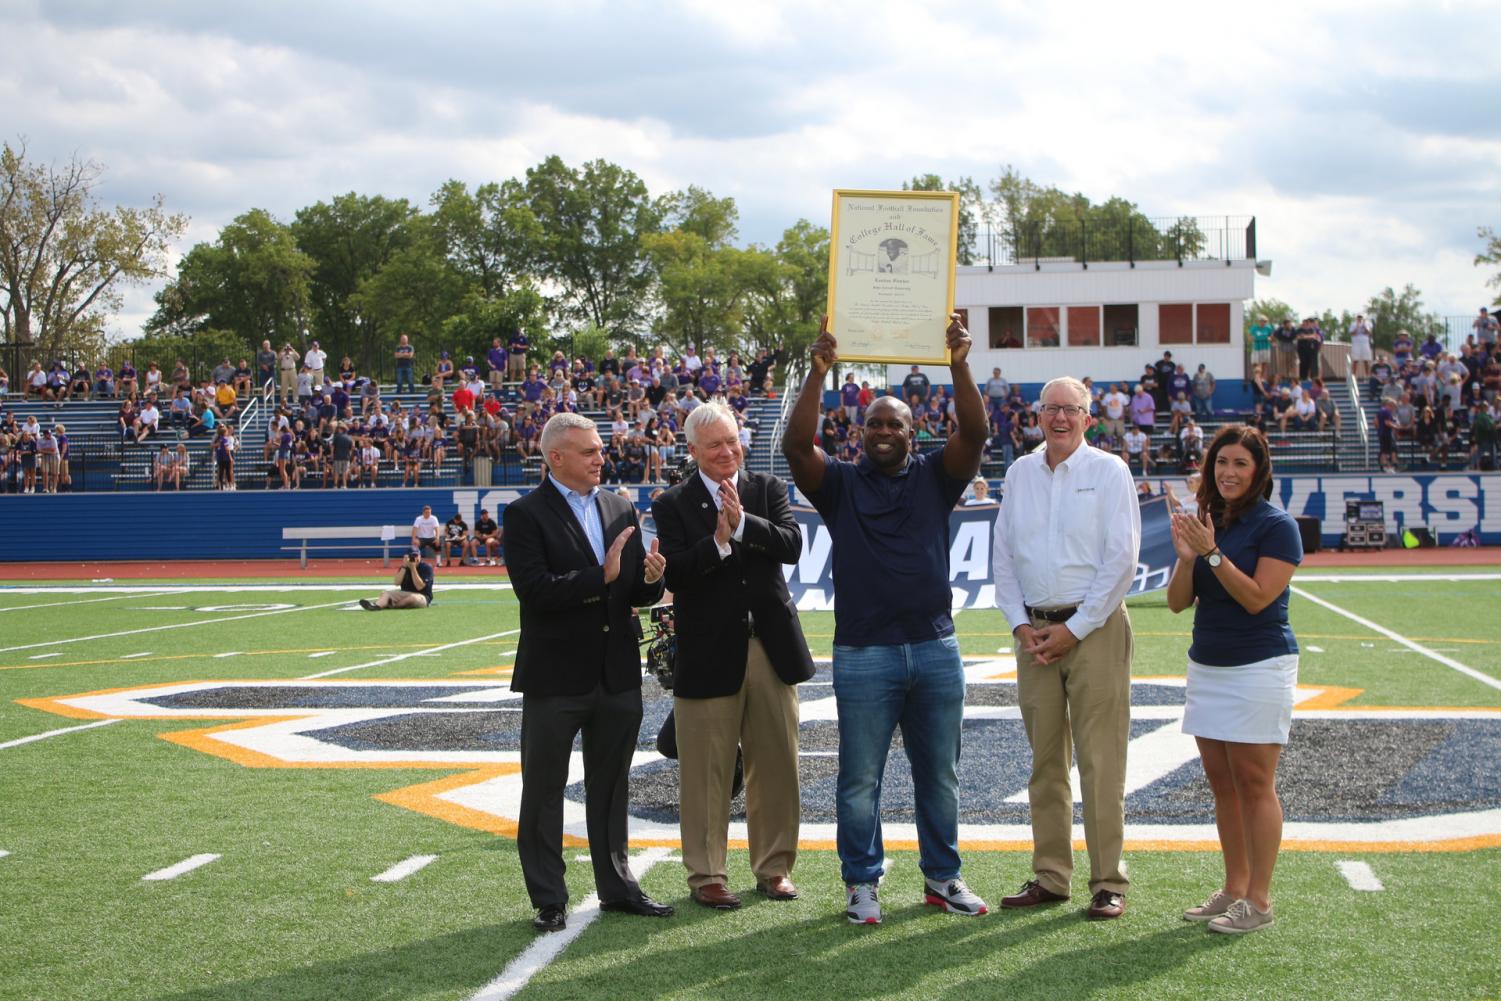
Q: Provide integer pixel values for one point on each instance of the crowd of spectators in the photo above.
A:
(1437, 406)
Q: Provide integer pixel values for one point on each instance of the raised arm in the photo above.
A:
(961, 456)
(804, 457)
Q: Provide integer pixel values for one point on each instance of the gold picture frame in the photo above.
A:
(891, 274)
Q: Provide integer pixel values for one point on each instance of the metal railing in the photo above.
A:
(1360, 421)
(1134, 238)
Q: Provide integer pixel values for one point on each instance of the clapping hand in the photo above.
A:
(612, 555)
(656, 563)
(1193, 536)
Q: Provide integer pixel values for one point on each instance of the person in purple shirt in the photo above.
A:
(1143, 409)
(517, 346)
(104, 383)
(1179, 382)
(708, 381)
(496, 358)
(532, 387)
(849, 397)
(1431, 348)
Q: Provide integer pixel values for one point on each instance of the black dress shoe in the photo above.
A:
(553, 917)
(643, 905)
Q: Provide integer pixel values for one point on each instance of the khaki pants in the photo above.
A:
(1082, 701)
(762, 718)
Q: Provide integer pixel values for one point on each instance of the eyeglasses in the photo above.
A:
(1066, 409)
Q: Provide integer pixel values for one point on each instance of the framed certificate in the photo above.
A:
(891, 274)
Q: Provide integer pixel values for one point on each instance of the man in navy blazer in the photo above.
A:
(726, 533)
(578, 567)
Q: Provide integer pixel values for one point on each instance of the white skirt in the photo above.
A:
(1360, 350)
(1244, 704)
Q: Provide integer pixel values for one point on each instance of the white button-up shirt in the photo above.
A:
(1066, 536)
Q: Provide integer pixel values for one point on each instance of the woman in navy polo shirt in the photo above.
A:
(1235, 561)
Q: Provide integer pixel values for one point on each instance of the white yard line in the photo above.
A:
(3, 853)
(186, 865)
(43, 656)
(547, 947)
(133, 656)
(55, 604)
(1396, 637)
(1360, 876)
(322, 653)
(56, 733)
(401, 870)
(230, 653)
(403, 656)
(178, 625)
(1391, 578)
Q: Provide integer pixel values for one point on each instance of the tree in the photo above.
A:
(1391, 311)
(972, 209)
(252, 282)
(1043, 222)
(63, 258)
(591, 223)
(1491, 256)
(349, 239)
(698, 289)
(489, 235)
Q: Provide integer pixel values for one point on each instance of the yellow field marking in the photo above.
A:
(426, 797)
(246, 653)
(502, 669)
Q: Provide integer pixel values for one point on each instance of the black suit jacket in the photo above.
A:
(711, 596)
(576, 630)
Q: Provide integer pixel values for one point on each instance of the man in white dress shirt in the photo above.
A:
(1066, 542)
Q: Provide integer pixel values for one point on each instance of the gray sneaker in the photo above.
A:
(862, 905)
(953, 896)
(1218, 903)
(1241, 917)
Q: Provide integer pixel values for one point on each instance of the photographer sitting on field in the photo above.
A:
(414, 586)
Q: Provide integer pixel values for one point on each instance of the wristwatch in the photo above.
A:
(1213, 558)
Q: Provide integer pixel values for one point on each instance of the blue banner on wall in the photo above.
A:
(248, 525)
(811, 580)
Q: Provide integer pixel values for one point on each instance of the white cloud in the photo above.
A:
(1363, 135)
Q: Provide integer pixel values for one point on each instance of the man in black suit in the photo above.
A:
(577, 566)
(726, 532)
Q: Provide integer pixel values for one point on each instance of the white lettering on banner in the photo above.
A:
(1490, 514)
(1401, 494)
(1453, 510)
(1338, 490)
(815, 557)
(969, 556)
(1297, 503)
(1147, 579)
(465, 500)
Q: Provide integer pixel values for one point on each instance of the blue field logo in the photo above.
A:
(1352, 778)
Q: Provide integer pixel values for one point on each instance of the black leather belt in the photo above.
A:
(1052, 614)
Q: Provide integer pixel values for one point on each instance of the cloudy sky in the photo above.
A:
(1364, 136)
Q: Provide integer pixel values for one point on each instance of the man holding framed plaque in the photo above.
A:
(896, 660)
(891, 274)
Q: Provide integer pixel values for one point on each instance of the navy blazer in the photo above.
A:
(576, 630)
(712, 596)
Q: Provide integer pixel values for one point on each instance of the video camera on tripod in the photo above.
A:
(661, 645)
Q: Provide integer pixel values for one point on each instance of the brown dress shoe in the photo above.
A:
(777, 888)
(1106, 904)
(715, 895)
(1031, 894)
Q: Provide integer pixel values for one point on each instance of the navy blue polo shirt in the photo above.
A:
(1225, 634)
(891, 549)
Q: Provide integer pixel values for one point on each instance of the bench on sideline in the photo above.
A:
(386, 536)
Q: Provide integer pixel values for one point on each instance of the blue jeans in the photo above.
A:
(919, 687)
(404, 377)
(1202, 406)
